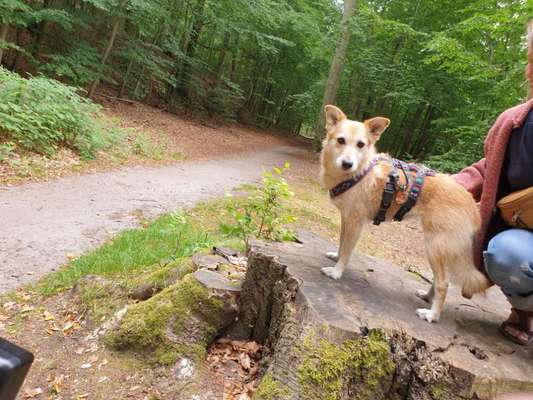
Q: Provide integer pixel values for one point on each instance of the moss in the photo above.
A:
(159, 276)
(358, 366)
(270, 389)
(438, 391)
(177, 320)
(100, 298)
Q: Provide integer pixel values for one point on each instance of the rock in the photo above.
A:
(359, 337)
(208, 261)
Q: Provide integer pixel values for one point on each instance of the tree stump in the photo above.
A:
(359, 337)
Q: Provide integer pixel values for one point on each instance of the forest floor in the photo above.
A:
(57, 324)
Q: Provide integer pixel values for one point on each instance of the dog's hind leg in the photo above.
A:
(350, 232)
(440, 291)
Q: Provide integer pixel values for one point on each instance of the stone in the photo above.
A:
(359, 337)
(208, 261)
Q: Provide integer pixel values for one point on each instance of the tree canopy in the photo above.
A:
(440, 70)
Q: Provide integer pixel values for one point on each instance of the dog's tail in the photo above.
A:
(474, 282)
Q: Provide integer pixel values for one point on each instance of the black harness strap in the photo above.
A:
(391, 187)
(387, 197)
(414, 192)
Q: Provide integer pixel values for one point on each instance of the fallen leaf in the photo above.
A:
(47, 316)
(26, 309)
(252, 347)
(86, 366)
(79, 350)
(134, 388)
(244, 360)
(31, 393)
(56, 384)
(103, 363)
(92, 359)
(9, 305)
(92, 348)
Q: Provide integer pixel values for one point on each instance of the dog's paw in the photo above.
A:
(423, 294)
(332, 255)
(332, 272)
(426, 314)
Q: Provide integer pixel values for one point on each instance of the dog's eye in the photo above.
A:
(341, 140)
(360, 144)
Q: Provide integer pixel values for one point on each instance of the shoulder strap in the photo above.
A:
(388, 196)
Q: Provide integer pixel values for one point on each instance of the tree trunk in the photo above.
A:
(3, 36)
(191, 47)
(222, 56)
(332, 84)
(106, 54)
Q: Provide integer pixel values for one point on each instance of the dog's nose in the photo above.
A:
(347, 164)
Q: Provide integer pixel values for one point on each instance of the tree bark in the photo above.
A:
(106, 54)
(190, 51)
(332, 84)
(3, 36)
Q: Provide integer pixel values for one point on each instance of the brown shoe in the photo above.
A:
(517, 328)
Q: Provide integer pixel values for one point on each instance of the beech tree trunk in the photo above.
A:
(106, 54)
(332, 84)
(3, 36)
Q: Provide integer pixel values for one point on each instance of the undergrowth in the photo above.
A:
(41, 115)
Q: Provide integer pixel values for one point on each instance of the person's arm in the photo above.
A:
(472, 178)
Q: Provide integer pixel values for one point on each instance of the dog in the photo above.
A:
(448, 213)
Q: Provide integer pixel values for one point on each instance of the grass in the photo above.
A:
(169, 238)
(177, 236)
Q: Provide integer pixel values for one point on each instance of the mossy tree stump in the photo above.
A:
(180, 321)
(359, 338)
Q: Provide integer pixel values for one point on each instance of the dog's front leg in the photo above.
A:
(334, 255)
(350, 232)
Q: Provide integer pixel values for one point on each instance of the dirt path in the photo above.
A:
(45, 223)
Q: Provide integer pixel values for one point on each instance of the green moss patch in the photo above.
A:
(358, 369)
(271, 389)
(181, 319)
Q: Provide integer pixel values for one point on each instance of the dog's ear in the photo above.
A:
(376, 126)
(333, 116)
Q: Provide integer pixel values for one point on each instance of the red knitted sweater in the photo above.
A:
(482, 178)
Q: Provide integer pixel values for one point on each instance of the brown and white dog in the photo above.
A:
(448, 213)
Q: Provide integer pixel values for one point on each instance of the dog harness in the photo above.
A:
(403, 186)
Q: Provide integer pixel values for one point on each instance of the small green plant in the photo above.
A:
(6, 150)
(262, 213)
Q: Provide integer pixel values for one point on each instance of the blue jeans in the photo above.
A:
(509, 264)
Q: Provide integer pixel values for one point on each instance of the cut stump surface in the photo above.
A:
(287, 304)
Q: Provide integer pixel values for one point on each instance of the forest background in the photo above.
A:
(440, 70)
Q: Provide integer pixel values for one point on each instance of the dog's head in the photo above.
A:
(349, 145)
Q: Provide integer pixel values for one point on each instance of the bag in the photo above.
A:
(517, 208)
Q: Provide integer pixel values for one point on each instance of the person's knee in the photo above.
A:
(507, 263)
